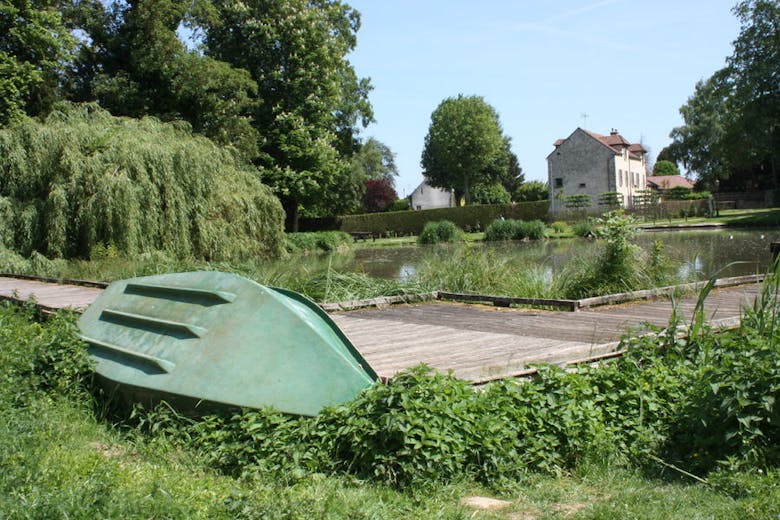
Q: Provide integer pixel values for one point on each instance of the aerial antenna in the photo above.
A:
(584, 117)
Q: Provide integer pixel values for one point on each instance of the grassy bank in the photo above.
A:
(676, 429)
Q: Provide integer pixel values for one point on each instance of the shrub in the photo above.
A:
(400, 205)
(534, 229)
(560, 227)
(437, 232)
(509, 229)
(501, 229)
(317, 241)
(584, 228)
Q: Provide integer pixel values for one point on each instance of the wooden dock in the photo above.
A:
(477, 342)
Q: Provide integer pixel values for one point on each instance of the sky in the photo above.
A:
(546, 67)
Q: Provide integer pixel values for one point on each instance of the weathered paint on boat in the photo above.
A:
(221, 338)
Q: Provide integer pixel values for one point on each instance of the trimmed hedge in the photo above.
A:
(469, 218)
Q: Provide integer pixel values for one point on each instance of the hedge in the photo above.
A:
(469, 218)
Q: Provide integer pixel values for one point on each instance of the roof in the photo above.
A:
(614, 141)
(666, 182)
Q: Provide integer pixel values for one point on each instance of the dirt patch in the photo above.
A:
(485, 503)
(107, 450)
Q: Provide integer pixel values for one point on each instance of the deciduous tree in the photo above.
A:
(664, 168)
(310, 97)
(34, 45)
(463, 144)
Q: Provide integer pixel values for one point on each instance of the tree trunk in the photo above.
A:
(291, 215)
(466, 191)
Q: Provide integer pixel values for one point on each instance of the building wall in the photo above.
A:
(630, 176)
(583, 165)
(428, 197)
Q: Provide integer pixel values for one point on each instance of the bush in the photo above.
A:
(501, 229)
(400, 205)
(318, 241)
(509, 229)
(560, 227)
(438, 232)
(533, 230)
(584, 228)
(84, 177)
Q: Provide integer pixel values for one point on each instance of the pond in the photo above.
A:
(706, 252)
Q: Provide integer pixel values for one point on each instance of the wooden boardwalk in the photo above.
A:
(476, 342)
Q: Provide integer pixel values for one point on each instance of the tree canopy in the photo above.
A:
(34, 45)
(731, 132)
(309, 97)
(665, 168)
(532, 191)
(464, 146)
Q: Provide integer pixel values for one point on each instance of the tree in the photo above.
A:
(532, 191)
(664, 168)
(666, 155)
(134, 65)
(492, 193)
(34, 45)
(379, 195)
(464, 141)
(755, 69)
(309, 97)
(731, 135)
(700, 143)
(375, 161)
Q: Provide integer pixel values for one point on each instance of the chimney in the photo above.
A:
(613, 131)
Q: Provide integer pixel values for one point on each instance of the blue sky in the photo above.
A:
(627, 64)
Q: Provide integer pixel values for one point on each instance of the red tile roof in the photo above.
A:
(665, 182)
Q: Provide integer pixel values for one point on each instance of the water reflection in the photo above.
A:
(702, 253)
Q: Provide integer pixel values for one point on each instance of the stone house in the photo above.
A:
(590, 163)
(426, 196)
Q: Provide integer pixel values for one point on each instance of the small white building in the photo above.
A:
(589, 163)
(426, 196)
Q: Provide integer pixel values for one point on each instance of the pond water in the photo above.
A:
(706, 252)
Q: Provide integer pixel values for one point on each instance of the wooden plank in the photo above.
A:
(506, 301)
(476, 342)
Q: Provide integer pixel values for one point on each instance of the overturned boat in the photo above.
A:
(201, 339)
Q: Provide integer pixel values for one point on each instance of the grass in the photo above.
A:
(65, 456)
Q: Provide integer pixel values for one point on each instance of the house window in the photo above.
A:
(559, 182)
(582, 185)
(620, 177)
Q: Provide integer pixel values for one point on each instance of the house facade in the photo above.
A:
(426, 196)
(592, 164)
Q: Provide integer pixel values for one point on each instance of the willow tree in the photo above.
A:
(85, 179)
(463, 145)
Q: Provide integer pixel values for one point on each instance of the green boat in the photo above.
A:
(201, 339)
